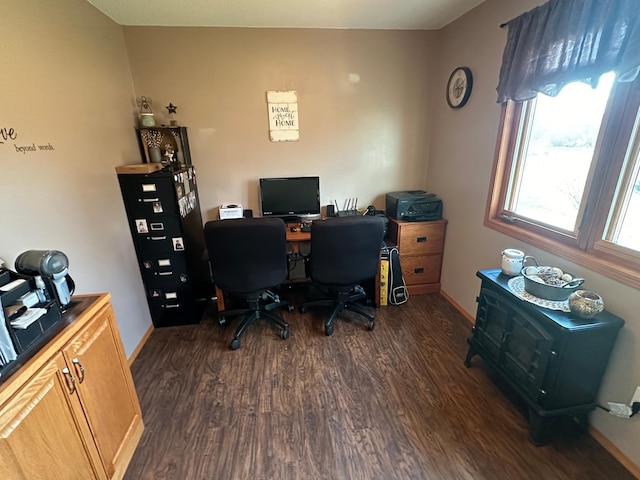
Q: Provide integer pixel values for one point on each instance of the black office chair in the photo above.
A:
(345, 251)
(248, 258)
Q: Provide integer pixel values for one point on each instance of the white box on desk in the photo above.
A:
(230, 210)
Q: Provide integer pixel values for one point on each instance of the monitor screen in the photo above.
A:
(290, 197)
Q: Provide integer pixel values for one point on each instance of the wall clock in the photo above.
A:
(459, 87)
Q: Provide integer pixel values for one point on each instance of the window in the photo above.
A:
(567, 176)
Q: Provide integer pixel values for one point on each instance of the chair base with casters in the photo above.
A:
(257, 310)
(342, 298)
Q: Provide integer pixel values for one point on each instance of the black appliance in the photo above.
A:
(52, 266)
(413, 206)
(164, 216)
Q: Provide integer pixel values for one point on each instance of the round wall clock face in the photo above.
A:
(459, 87)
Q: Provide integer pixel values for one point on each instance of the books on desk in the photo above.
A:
(7, 350)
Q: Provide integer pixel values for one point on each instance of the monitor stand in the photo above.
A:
(291, 219)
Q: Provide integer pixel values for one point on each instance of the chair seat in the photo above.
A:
(248, 258)
(345, 251)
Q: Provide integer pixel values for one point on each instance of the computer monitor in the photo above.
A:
(292, 198)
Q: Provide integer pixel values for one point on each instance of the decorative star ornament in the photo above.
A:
(171, 108)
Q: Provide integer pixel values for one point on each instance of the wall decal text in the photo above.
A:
(9, 133)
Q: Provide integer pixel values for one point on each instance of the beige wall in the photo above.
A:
(68, 76)
(363, 139)
(460, 165)
(66, 82)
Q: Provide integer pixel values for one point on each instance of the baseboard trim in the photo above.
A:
(615, 451)
(136, 351)
(458, 307)
(595, 433)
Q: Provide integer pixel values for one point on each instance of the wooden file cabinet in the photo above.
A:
(421, 245)
(71, 412)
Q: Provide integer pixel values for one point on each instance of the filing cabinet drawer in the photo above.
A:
(418, 238)
(172, 305)
(162, 269)
(148, 197)
(171, 297)
(417, 269)
(162, 234)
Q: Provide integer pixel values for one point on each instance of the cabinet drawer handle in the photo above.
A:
(158, 238)
(421, 239)
(148, 200)
(164, 274)
(71, 382)
(173, 305)
(79, 369)
(418, 270)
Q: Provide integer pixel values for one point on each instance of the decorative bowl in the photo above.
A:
(585, 304)
(542, 282)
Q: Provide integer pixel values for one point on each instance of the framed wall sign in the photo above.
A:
(283, 116)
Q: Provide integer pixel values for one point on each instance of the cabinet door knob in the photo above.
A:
(79, 369)
(71, 382)
(543, 392)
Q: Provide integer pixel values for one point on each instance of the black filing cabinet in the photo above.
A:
(164, 217)
(554, 361)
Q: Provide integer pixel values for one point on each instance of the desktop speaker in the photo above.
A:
(331, 211)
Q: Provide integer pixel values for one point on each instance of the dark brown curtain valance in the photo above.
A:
(565, 41)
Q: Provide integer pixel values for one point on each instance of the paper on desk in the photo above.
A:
(11, 285)
(7, 350)
(27, 318)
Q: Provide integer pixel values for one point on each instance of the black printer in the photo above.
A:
(414, 206)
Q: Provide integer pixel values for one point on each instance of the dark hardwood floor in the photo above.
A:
(392, 403)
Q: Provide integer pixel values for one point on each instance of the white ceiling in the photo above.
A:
(342, 14)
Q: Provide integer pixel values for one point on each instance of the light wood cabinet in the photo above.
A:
(421, 245)
(71, 412)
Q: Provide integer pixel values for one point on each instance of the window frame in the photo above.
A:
(586, 246)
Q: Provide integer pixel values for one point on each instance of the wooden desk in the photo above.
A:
(295, 238)
(298, 236)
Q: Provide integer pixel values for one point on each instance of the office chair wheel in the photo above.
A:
(235, 344)
(291, 308)
(284, 334)
(370, 325)
(302, 309)
(328, 330)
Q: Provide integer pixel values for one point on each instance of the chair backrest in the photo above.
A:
(345, 250)
(247, 254)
